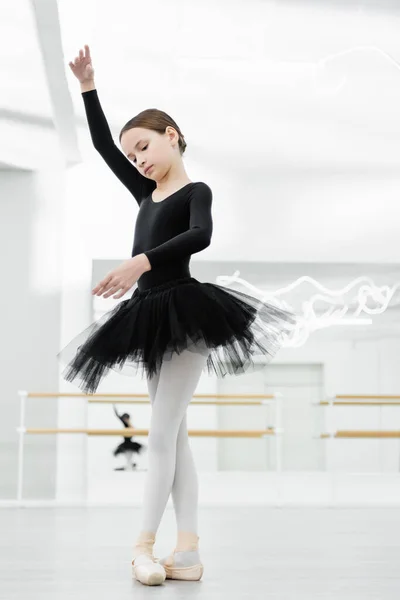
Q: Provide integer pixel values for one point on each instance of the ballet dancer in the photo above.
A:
(127, 447)
(173, 327)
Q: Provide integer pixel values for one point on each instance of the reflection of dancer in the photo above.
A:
(127, 447)
(172, 327)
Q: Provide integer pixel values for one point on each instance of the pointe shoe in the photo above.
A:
(146, 571)
(149, 573)
(187, 545)
(192, 573)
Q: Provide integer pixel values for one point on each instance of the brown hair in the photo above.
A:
(156, 120)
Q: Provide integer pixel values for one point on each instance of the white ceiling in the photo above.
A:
(289, 108)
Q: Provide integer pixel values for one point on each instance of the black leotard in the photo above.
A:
(168, 231)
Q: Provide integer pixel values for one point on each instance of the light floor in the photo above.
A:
(254, 552)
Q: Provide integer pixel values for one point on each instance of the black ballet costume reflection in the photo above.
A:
(169, 310)
(127, 445)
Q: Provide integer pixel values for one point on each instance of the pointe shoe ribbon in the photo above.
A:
(187, 541)
(144, 545)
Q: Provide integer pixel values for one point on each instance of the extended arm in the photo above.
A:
(103, 142)
(196, 238)
(119, 417)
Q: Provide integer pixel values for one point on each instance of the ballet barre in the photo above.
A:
(127, 398)
(357, 403)
(129, 432)
(368, 396)
(201, 402)
(138, 398)
(360, 400)
(360, 433)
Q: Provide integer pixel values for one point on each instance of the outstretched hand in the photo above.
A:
(122, 277)
(82, 66)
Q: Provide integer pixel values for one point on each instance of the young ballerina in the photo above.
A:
(173, 327)
(127, 447)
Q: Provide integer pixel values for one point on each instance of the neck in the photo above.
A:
(174, 177)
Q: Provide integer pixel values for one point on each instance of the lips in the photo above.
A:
(148, 169)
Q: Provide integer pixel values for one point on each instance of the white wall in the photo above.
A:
(30, 206)
(362, 367)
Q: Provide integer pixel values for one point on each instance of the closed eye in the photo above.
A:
(134, 160)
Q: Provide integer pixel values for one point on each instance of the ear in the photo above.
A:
(172, 134)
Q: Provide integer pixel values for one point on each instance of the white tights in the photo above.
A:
(171, 468)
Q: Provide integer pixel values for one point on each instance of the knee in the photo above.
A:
(183, 437)
(162, 441)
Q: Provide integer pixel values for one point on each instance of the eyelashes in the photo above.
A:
(134, 160)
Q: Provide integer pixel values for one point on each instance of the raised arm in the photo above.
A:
(100, 132)
(196, 238)
(119, 417)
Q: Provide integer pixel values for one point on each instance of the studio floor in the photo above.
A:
(247, 552)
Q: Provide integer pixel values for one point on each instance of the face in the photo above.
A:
(145, 148)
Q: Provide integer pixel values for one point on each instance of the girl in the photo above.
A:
(173, 327)
(127, 447)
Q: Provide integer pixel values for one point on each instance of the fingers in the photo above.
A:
(82, 55)
(102, 286)
(112, 283)
(110, 291)
(121, 293)
(115, 288)
(107, 287)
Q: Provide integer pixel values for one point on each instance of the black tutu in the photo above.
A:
(128, 445)
(138, 334)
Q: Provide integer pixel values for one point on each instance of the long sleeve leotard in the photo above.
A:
(168, 231)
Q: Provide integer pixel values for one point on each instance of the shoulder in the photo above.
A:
(201, 185)
(200, 189)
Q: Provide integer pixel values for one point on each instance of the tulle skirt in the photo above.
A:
(236, 331)
(128, 445)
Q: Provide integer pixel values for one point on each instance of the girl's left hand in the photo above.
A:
(123, 277)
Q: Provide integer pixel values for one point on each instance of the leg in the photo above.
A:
(185, 487)
(128, 458)
(184, 562)
(177, 382)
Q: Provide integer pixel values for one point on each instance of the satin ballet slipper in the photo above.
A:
(187, 542)
(148, 573)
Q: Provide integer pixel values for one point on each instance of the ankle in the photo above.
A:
(144, 544)
(187, 541)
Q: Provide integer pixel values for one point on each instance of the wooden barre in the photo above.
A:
(362, 434)
(95, 397)
(128, 432)
(370, 397)
(358, 403)
(200, 402)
